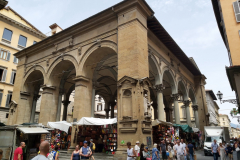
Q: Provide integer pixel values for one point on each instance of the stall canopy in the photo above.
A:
(32, 130)
(157, 122)
(185, 127)
(61, 125)
(195, 129)
(96, 121)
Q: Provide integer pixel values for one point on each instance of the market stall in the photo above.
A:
(102, 131)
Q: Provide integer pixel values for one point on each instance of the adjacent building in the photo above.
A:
(225, 121)
(212, 108)
(227, 13)
(235, 132)
(16, 33)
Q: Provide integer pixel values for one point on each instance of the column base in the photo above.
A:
(71, 149)
(120, 154)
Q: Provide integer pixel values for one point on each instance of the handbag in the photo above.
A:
(195, 157)
(144, 154)
(237, 149)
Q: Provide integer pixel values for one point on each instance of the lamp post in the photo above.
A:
(220, 96)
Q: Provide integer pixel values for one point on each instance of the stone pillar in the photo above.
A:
(59, 106)
(195, 109)
(112, 104)
(107, 110)
(34, 103)
(159, 88)
(48, 107)
(65, 106)
(93, 102)
(176, 108)
(171, 114)
(167, 111)
(186, 104)
(155, 105)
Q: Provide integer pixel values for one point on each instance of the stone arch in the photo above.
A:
(182, 86)
(166, 70)
(34, 68)
(154, 64)
(105, 43)
(66, 57)
(192, 95)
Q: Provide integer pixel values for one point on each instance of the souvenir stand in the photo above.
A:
(60, 134)
(92, 128)
(162, 131)
(182, 132)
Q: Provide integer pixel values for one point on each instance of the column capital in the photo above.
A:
(195, 107)
(174, 97)
(186, 103)
(66, 102)
(159, 88)
(45, 86)
(81, 78)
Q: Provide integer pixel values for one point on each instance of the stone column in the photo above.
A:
(48, 107)
(112, 104)
(176, 108)
(186, 104)
(171, 114)
(107, 110)
(93, 102)
(195, 109)
(34, 103)
(65, 106)
(159, 88)
(155, 105)
(59, 106)
(167, 111)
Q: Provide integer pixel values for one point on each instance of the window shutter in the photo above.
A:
(14, 60)
(12, 76)
(7, 101)
(8, 56)
(236, 10)
(4, 75)
(1, 94)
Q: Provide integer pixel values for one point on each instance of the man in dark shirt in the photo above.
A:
(163, 150)
(190, 149)
(230, 152)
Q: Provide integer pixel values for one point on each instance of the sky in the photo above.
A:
(191, 23)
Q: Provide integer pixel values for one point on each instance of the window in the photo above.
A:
(5, 54)
(3, 74)
(15, 60)
(99, 107)
(236, 10)
(223, 123)
(9, 98)
(34, 42)
(7, 34)
(12, 80)
(1, 94)
(22, 41)
(7, 115)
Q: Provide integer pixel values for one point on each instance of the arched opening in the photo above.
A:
(182, 93)
(192, 100)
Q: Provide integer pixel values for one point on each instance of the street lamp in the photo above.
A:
(220, 96)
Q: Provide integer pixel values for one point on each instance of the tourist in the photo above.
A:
(155, 152)
(92, 146)
(179, 151)
(190, 149)
(147, 152)
(137, 150)
(230, 151)
(222, 152)
(100, 144)
(130, 152)
(184, 146)
(18, 153)
(76, 153)
(174, 148)
(170, 151)
(44, 150)
(237, 148)
(163, 150)
(214, 148)
(85, 151)
(54, 154)
(142, 152)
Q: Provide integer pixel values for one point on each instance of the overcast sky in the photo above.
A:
(191, 23)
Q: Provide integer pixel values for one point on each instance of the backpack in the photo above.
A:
(94, 147)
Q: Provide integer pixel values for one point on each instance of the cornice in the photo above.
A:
(29, 30)
(7, 45)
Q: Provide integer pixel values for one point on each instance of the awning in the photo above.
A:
(157, 122)
(62, 125)
(96, 121)
(32, 130)
(185, 127)
(195, 129)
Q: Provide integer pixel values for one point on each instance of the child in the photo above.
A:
(230, 152)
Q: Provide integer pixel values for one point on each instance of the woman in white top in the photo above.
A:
(130, 152)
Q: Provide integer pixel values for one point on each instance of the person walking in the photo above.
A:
(44, 150)
(85, 151)
(76, 153)
(18, 153)
(155, 152)
(54, 154)
(237, 148)
(230, 151)
(222, 152)
(142, 152)
(137, 150)
(163, 150)
(92, 146)
(190, 149)
(170, 151)
(184, 146)
(214, 148)
(130, 152)
(179, 151)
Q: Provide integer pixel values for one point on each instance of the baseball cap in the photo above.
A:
(84, 142)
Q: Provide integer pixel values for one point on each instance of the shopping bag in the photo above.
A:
(148, 158)
(195, 157)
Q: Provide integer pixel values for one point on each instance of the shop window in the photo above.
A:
(22, 41)
(13, 77)
(5, 55)
(15, 60)
(9, 98)
(7, 35)
(3, 74)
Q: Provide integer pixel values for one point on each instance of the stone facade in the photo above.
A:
(225, 121)
(119, 55)
(211, 104)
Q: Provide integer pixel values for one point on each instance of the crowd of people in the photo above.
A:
(177, 150)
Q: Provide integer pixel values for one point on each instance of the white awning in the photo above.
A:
(157, 122)
(32, 130)
(62, 125)
(195, 129)
(96, 121)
